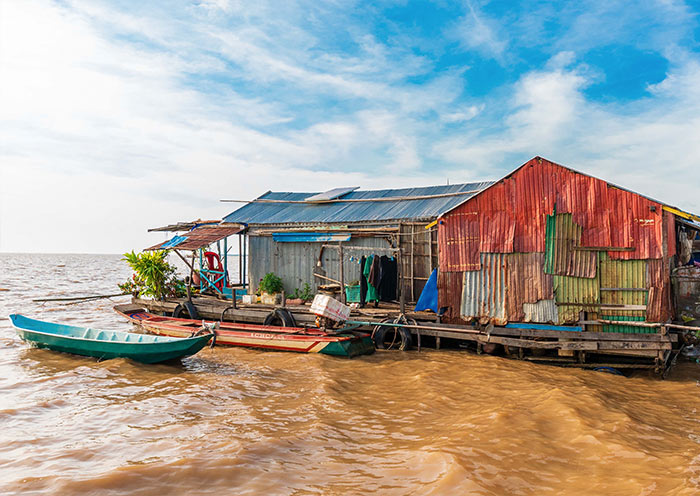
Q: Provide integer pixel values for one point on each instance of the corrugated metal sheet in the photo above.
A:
(609, 216)
(527, 284)
(484, 291)
(623, 282)
(561, 257)
(574, 294)
(686, 285)
(496, 217)
(309, 237)
(670, 221)
(543, 312)
(295, 263)
(458, 239)
(450, 295)
(345, 212)
(200, 237)
(659, 307)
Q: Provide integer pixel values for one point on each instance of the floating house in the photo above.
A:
(301, 237)
(548, 244)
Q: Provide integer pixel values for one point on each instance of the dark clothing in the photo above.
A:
(388, 270)
(372, 294)
(363, 282)
(374, 276)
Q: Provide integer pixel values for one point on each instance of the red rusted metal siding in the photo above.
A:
(458, 235)
(608, 215)
(659, 306)
(670, 221)
(527, 283)
(496, 219)
(450, 295)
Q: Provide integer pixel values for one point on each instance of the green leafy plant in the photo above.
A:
(307, 294)
(153, 275)
(271, 284)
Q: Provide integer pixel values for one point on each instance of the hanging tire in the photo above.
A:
(280, 317)
(391, 338)
(186, 310)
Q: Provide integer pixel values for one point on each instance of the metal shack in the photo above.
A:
(297, 235)
(548, 244)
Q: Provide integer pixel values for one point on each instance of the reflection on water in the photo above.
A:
(233, 421)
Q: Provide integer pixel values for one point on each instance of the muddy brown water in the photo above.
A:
(233, 421)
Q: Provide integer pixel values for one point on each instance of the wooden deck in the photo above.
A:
(573, 349)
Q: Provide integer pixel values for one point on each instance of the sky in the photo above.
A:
(120, 116)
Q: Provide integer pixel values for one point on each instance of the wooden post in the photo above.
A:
(430, 251)
(402, 297)
(437, 342)
(342, 273)
(413, 249)
(240, 260)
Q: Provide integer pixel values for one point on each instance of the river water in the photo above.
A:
(235, 421)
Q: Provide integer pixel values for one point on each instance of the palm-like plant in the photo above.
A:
(152, 272)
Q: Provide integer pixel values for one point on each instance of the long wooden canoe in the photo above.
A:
(86, 341)
(298, 339)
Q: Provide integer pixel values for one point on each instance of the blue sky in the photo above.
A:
(119, 116)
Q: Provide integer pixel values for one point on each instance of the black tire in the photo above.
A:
(280, 317)
(186, 310)
(389, 337)
(180, 312)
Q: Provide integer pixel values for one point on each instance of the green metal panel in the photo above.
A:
(561, 258)
(574, 294)
(623, 282)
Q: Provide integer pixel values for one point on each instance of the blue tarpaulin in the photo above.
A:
(172, 243)
(429, 297)
(309, 237)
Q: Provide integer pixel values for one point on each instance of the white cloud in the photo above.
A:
(651, 146)
(477, 32)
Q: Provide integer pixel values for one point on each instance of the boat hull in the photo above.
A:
(300, 340)
(73, 340)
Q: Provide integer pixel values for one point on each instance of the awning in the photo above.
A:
(309, 237)
(197, 238)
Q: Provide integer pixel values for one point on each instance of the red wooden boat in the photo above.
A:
(299, 339)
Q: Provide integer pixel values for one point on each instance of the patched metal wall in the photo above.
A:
(295, 263)
(484, 290)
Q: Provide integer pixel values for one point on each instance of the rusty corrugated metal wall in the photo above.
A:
(450, 295)
(562, 258)
(527, 284)
(484, 291)
(541, 216)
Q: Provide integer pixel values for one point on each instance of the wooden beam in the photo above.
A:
(682, 214)
(604, 248)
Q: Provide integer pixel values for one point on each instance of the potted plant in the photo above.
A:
(301, 297)
(270, 286)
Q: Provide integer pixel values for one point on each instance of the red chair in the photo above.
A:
(214, 264)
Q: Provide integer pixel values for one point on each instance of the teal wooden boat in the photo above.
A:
(85, 341)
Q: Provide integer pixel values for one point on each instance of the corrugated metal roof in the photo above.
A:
(273, 209)
(198, 238)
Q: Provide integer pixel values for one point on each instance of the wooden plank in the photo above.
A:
(624, 289)
(529, 343)
(603, 248)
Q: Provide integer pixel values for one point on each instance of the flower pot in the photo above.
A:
(271, 299)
